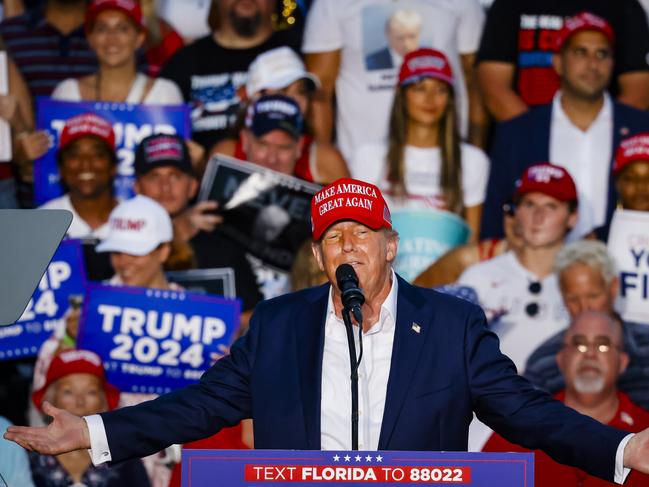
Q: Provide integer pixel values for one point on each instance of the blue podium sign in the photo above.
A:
(154, 341)
(236, 468)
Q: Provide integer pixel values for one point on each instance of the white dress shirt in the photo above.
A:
(587, 157)
(373, 373)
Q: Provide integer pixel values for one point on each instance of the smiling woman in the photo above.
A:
(87, 165)
(115, 31)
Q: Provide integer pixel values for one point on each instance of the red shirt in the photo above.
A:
(302, 168)
(549, 473)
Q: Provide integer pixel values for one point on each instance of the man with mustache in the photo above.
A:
(591, 359)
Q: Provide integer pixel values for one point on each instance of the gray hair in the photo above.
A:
(588, 252)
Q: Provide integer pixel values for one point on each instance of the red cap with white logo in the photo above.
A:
(137, 226)
(584, 21)
(633, 149)
(425, 63)
(131, 8)
(349, 199)
(76, 362)
(548, 179)
(85, 125)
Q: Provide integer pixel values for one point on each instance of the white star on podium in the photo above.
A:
(336, 458)
(368, 458)
(346, 457)
(379, 458)
(358, 458)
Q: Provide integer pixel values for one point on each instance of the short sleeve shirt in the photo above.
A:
(524, 33)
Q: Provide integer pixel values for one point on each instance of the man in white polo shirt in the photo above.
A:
(518, 290)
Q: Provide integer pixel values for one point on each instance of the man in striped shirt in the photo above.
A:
(48, 44)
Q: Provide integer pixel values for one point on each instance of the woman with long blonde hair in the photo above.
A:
(424, 163)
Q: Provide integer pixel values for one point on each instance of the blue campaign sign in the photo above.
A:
(65, 277)
(131, 124)
(155, 341)
(238, 468)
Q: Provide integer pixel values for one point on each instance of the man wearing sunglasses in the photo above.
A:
(591, 359)
(518, 289)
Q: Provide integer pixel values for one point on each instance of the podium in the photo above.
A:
(239, 468)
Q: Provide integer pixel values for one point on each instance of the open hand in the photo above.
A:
(65, 433)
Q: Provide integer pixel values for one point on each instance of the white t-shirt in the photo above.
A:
(367, 78)
(502, 284)
(162, 92)
(79, 228)
(423, 173)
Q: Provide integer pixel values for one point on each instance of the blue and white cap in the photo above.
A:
(274, 112)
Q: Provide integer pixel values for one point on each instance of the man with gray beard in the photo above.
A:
(591, 359)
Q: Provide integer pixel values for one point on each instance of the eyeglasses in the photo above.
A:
(533, 308)
(601, 344)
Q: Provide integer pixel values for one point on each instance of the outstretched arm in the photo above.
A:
(65, 433)
(636, 453)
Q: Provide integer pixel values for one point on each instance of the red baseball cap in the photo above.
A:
(87, 124)
(584, 21)
(632, 149)
(349, 199)
(548, 179)
(76, 362)
(130, 7)
(425, 63)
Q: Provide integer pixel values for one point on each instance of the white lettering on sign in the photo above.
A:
(136, 322)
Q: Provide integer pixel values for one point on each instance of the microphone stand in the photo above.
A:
(354, 363)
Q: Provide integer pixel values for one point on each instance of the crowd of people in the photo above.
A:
(524, 123)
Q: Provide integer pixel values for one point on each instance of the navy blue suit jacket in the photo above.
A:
(381, 59)
(437, 378)
(525, 140)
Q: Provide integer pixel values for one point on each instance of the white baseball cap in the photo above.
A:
(276, 69)
(137, 226)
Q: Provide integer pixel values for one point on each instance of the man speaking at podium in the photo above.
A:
(428, 362)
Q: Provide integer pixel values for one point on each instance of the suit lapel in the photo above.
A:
(310, 346)
(410, 334)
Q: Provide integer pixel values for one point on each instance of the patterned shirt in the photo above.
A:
(43, 54)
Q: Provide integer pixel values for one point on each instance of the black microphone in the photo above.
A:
(351, 294)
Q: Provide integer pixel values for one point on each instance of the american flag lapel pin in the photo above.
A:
(415, 327)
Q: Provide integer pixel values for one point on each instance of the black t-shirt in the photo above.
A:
(524, 32)
(215, 250)
(211, 78)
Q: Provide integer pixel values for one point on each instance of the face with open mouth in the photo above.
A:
(87, 168)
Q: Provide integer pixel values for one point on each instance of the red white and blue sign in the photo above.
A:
(155, 341)
(65, 276)
(131, 124)
(239, 468)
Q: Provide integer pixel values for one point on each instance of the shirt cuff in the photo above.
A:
(99, 451)
(621, 472)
